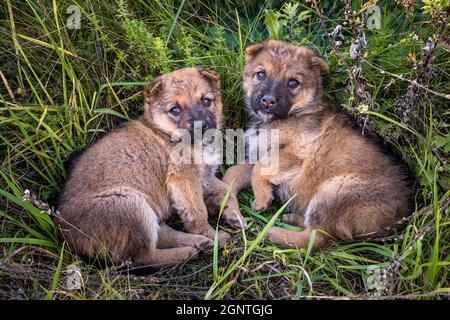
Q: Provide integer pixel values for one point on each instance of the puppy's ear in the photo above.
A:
(212, 76)
(319, 63)
(252, 50)
(152, 90)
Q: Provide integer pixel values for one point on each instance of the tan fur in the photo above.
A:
(343, 183)
(123, 188)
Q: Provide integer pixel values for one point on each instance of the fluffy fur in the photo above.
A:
(343, 183)
(123, 188)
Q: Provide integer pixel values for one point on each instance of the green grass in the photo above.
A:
(61, 89)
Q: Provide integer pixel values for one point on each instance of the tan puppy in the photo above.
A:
(344, 184)
(123, 188)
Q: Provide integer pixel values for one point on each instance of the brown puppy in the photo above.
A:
(123, 188)
(343, 183)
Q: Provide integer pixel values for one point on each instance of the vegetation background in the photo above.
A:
(61, 88)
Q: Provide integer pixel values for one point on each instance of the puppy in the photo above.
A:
(343, 183)
(122, 189)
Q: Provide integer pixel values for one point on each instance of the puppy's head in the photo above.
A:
(281, 79)
(174, 101)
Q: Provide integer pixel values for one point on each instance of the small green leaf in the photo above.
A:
(273, 25)
(56, 277)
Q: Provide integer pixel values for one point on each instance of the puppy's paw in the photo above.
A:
(235, 219)
(261, 204)
(293, 219)
(224, 237)
(187, 253)
(275, 235)
(204, 244)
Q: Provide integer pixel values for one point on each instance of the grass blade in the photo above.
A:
(51, 293)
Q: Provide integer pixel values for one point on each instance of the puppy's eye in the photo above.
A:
(292, 83)
(261, 75)
(206, 102)
(175, 110)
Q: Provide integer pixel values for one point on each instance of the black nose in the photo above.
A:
(197, 113)
(268, 102)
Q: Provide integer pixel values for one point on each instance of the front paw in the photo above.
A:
(234, 218)
(204, 244)
(261, 203)
(293, 219)
(224, 237)
(237, 222)
(276, 235)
